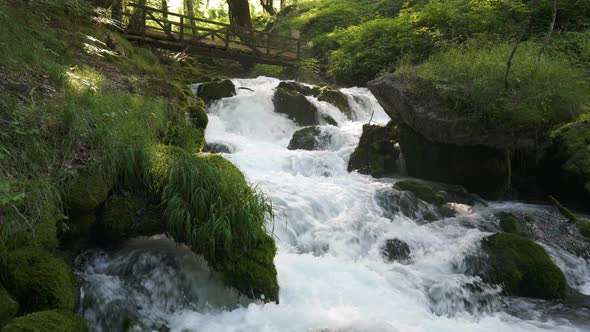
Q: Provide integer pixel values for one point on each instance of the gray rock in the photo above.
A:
(310, 138)
(396, 250)
(209, 91)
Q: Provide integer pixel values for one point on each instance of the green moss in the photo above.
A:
(522, 267)
(254, 273)
(8, 307)
(209, 91)
(131, 215)
(47, 321)
(40, 280)
(509, 223)
(422, 191)
(43, 235)
(572, 144)
(289, 101)
(337, 99)
(198, 115)
(376, 153)
(584, 228)
(88, 192)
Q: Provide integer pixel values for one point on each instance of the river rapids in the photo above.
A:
(330, 228)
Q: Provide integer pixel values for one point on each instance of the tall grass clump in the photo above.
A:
(544, 89)
(208, 204)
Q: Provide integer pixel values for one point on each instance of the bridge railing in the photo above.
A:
(155, 23)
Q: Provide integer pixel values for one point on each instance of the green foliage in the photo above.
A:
(207, 203)
(523, 267)
(422, 191)
(545, 89)
(584, 228)
(48, 321)
(40, 280)
(8, 307)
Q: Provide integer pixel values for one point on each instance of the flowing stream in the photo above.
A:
(330, 229)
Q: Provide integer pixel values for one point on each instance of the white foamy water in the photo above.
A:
(329, 231)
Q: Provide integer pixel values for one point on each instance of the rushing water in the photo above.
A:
(329, 229)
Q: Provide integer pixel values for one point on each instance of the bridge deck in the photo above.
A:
(200, 36)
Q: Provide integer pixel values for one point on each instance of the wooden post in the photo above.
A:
(227, 38)
(181, 28)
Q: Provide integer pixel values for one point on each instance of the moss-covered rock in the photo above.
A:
(482, 170)
(197, 114)
(309, 138)
(376, 154)
(294, 104)
(88, 192)
(40, 280)
(570, 155)
(337, 99)
(522, 267)
(209, 91)
(584, 228)
(422, 191)
(131, 215)
(42, 235)
(171, 91)
(305, 90)
(8, 307)
(254, 273)
(510, 224)
(48, 321)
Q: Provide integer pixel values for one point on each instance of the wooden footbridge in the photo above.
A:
(204, 37)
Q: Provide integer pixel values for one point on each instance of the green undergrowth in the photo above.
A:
(47, 321)
(544, 89)
(208, 205)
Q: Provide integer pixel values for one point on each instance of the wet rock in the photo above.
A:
(377, 153)
(522, 267)
(395, 202)
(219, 148)
(127, 215)
(337, 99)
(325, 119)
(287, 100)
(300, 88)
(310, 138)
(568, 161)
(484, 171)
(396, 250)
(210, 91)
(430, 111)
(8, 307)
(422, 191)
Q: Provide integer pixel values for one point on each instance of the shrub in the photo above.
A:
(545, 89)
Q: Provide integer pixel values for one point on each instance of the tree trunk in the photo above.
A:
(239, 13)
(165, 16)
(137, 22)
(189, 9)
(521, 36)
(268, 6)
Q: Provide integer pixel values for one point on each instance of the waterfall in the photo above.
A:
(330, 229)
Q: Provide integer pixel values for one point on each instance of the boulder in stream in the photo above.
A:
(337, 99)
(396, 250)
(289, 101)
(376, 153)
(310, 138)
(522, 267)
(209, 91)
